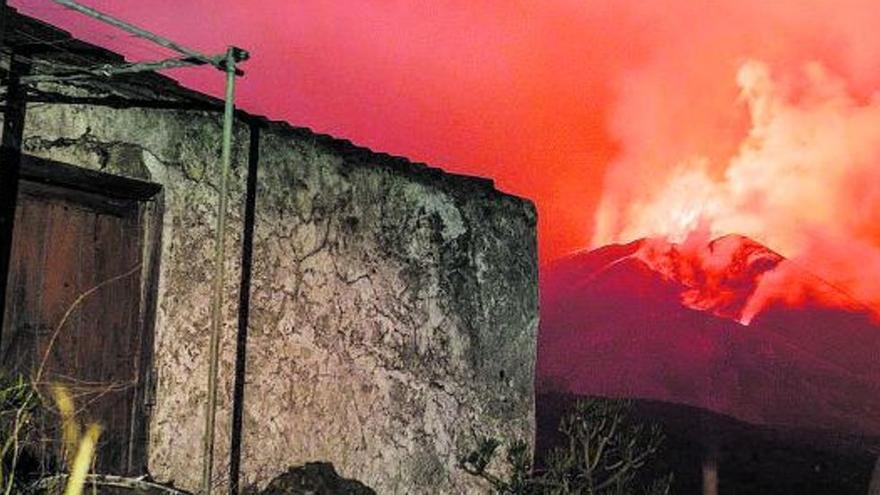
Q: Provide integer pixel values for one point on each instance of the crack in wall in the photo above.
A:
(373, 288)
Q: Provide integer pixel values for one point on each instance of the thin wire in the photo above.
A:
(55, 43)
(149, 46)
(46, 8)
(146, 52)
(61, 45)
(137, 88)
(133, 87)
(41, 7)
(135, 41)
(132, 41)
(38, 42)
(58, 44)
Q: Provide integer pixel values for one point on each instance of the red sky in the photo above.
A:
(554, 99)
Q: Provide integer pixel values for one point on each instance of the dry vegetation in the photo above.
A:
(605, 452)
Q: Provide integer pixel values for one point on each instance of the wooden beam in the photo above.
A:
(112, 101)
(10, 166)
(244, 303)
(5, 14)
(55, 173)
(108, 70)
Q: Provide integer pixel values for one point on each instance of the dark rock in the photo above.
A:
(315, 478)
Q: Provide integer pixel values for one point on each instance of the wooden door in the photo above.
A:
(74, 314)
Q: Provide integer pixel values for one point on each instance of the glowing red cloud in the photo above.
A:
(541, 96)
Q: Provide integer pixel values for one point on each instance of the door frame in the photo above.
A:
(149, 198)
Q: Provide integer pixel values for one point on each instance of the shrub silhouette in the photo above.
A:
(603, 453)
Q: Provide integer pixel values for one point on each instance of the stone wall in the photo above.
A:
(393, 311)
(180, 151)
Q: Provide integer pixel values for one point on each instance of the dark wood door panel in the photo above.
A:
(73, 311)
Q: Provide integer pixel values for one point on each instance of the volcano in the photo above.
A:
(697, 324)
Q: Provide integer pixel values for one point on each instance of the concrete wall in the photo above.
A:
(394, 307)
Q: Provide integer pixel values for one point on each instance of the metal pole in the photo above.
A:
(228, 65)
(70, 4)
(220, 265)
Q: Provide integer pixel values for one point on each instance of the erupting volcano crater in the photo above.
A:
(727, 325)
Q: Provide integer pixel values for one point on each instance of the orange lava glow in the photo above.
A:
(805, 180)
(619, 119)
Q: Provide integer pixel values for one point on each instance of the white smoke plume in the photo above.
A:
(805, 181)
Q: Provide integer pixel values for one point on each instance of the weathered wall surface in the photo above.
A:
(181, 151)
(400, 305)
(393, 313)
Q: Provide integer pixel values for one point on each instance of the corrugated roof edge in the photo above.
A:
(352, 153)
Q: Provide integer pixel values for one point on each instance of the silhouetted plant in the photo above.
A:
(603, 453)
(17, 404)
